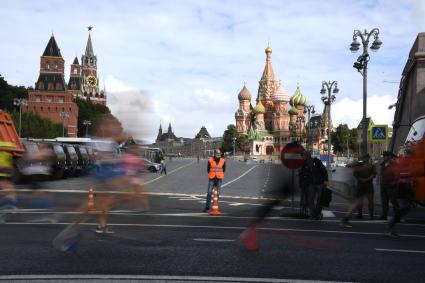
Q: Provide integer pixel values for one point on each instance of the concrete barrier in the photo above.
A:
(343, 182)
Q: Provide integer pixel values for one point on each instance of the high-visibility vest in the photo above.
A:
(6, 164)
(216, 169)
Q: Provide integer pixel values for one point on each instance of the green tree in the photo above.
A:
(353, 143)
(229, 135)
(10, 92)
(89, 111)
(340, 139)
(34, 126)
(343, 139)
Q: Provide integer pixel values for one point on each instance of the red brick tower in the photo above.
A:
(50, 96)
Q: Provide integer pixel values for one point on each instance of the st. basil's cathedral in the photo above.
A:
(276, 118)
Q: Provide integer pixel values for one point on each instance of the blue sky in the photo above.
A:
(184, 62)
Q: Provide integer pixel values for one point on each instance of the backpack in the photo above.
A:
(325, 197)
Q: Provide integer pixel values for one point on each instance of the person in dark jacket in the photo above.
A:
(314, 178)
(364, 174)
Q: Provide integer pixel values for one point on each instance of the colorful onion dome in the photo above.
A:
(298, 99)
(293, 110)
(259, 108)
(280, 94)
(244, 94)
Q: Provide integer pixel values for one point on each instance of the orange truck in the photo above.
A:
(410, 162)
(8, 134)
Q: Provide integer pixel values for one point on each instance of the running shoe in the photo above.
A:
(68, 240)
(346, 223)
(393, 234)
(249, 239)
(103, 230)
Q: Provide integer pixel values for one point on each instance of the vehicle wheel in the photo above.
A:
(152, 169)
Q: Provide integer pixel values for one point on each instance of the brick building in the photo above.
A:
(52, 98)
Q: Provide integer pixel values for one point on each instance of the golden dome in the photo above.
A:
(259, 108)
(268, 49)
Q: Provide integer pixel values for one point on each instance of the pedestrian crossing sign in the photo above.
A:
(379, 133)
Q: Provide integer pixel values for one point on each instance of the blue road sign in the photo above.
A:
(379, 133)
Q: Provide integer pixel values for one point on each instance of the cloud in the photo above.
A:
(350, 112)
(185, 61)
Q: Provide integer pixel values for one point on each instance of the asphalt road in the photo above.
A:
(177, 242)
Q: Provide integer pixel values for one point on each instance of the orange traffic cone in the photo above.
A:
(90, 202)
(215, 210)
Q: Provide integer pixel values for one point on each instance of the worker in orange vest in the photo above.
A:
(216, 168)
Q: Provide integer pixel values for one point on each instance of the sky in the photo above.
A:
(184, 62)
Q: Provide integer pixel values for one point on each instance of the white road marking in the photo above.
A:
(170, 172)
(234, 180)
(213, 240)
(216, 227)
(236, 203)
(169, 194)
(156, 278)
(328, 213)
(400, 251)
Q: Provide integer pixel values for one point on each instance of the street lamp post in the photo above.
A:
(361, 66)
(328, 100)
(234, 148)
(19, 102)
(309, 109)
(87, 123)
(63, 115)
(301, 120)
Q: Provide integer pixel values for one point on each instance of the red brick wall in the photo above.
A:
(50, 104)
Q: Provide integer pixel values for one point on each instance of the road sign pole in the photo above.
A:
(293, 191)
(292, 156)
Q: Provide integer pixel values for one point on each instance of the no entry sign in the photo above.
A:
(292, 155)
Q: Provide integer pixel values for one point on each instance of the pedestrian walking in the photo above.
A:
(163, 167)
(313, 178)
(388, 185)
(364, 174)
(216, 168)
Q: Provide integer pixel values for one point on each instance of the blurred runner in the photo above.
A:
(133, 165)
(388, 185)
(364, 174)
(114, 182)
(8, 191)
(36, 167)
(278, 190)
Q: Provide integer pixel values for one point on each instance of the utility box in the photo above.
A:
(8, 134)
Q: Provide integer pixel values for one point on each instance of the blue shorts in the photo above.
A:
(106, 171)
